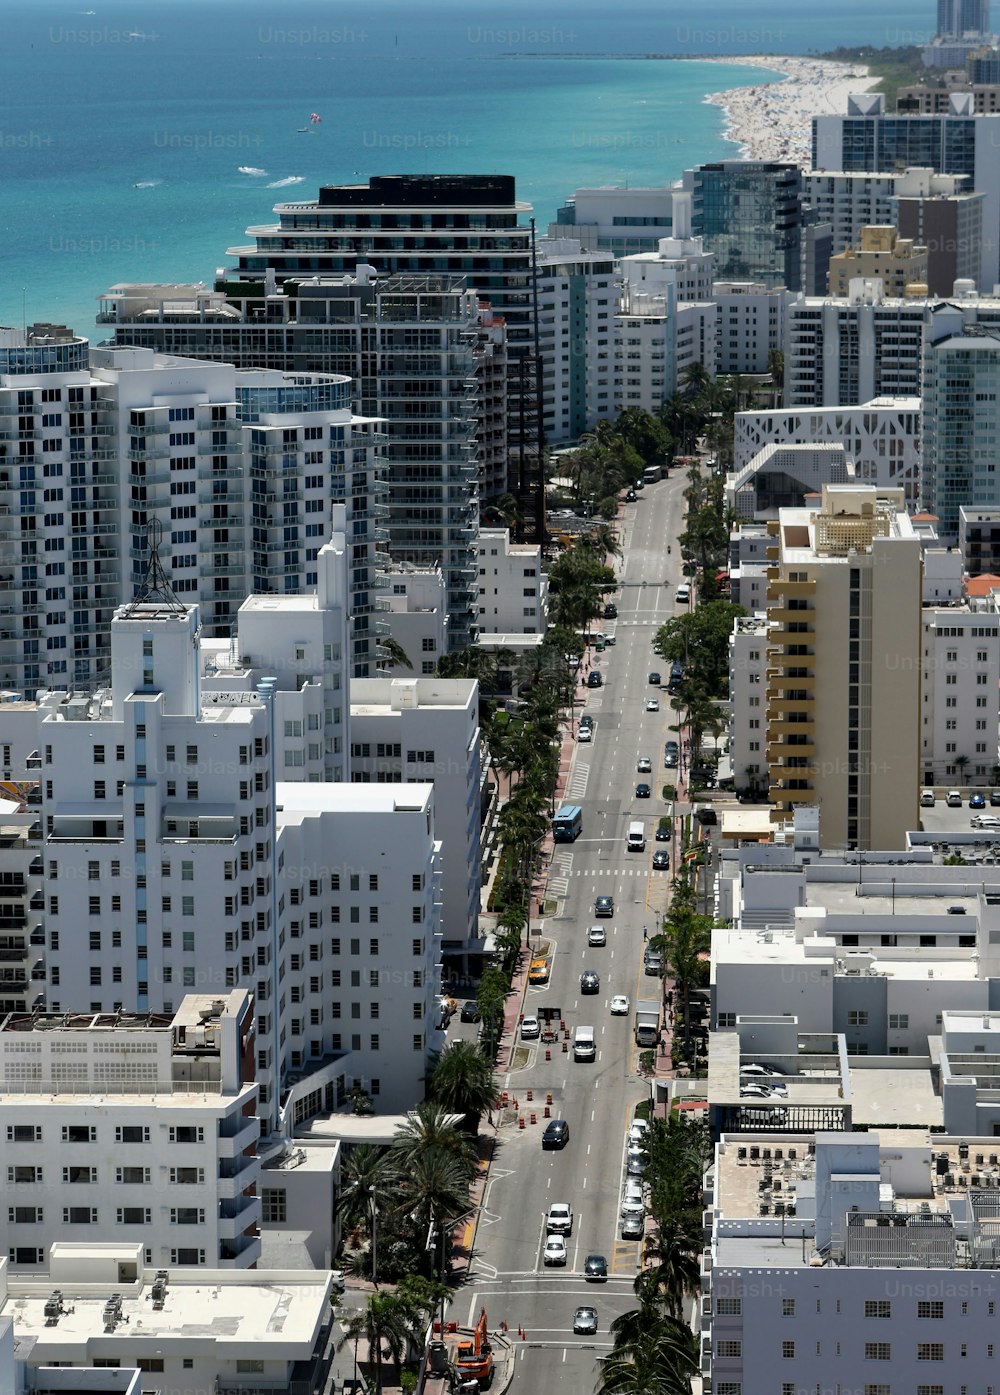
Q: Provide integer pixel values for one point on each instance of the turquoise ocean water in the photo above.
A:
(123, 125)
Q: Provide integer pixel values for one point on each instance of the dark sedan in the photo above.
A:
(642, 791)
(604, 906)
(590, 982)
(555, 1134)
(661, 859)
(595, 1268)
(470, 1011)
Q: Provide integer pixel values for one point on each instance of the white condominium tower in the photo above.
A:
(238, 473)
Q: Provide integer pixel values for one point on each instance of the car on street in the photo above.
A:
(594, 679)
(530, 1028)
(611, 611)
(586, 719)
(555, 1250)
(630, 497)
(652, 704)
(632, 1227)
(995, 799)
(585, 734)
(985, 821)
(597, 935)
(595, 1268)
(638, 1131)
(758, 1068)
(604, 906)
(555, 1134)
(927, 799)
(590, 982)
(633, 1202)
(652, 961)
(654, 679)
(954, 800)
(619, 1005)
(671, 755)
(559, 1221)
(642, 790)
(977, 800)
(663, 833)
(635, 1160)
(470, 1011)
(644, 765)
(539, 971)
(585, 1321)
(661, 860)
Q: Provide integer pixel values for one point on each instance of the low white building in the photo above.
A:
(882, 437)
(959, 729)
(617, 219)
(209, 1330)
(657, 339)
(749, 562)
(140, 1129)
(513, 585)
(860, 1260)
(427, 730)
(417, 617)
(750, 325)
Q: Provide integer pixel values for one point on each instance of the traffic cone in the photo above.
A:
(520, 1122)
(529, 1095)
(548, 1098)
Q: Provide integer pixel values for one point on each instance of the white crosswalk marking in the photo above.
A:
(578, 784)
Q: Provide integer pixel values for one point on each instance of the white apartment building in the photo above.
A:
(843, 653)
(850, 200)
(882, 437)
(680, 261)
(618, 220)
(201, 1330)
(750, 325)
(113, 441)
(849, 1260)
(416, 617)
(577, 297)
(960, 680)
(137, 1128)
(747, 715)
(657, 339)
(749, 563)
(427, 730)
(513, 586)
(163, 798)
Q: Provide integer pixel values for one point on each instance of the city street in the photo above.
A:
(596, 1099)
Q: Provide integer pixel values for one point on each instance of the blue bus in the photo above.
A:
(567, 823)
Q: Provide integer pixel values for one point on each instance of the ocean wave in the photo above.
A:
(251, 169)
(147, 184)
(283, 183)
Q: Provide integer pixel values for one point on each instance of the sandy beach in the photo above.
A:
(772, 121)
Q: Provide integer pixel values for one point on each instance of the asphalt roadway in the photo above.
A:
(597, 1099)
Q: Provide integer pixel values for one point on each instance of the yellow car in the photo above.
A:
(539, 971)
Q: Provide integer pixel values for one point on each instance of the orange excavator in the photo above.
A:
(474, 1360)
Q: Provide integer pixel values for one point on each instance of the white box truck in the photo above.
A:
(647, 1022)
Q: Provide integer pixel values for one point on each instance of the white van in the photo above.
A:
(683, 595)
(637, 836)
(584, 1046)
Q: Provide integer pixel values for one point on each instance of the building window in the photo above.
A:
(788, 1351)
(928, 1308)
(878, 1351)
(731, 1307)
(857, 1018)
(729, 1349)
(274, 1206)
(930, 1351)
(788, 1307)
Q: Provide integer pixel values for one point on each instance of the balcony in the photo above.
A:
(245, 1249)
(235, 1219)
(233, 1145)
(779, 728)
(779, 706)
(779, 751)
(789, 613)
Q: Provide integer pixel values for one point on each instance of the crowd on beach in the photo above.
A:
(772, 121)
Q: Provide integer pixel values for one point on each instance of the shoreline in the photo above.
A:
(772, 120)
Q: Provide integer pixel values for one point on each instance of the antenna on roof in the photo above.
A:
(155, 585)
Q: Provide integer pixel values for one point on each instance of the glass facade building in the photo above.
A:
(749, 214)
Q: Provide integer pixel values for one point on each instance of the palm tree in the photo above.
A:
(435, 1185)
(463, 1082)
(387, 1325)
(677, 1249)
(658, 1361)
(366, 1190)
(396, 655)
(428, 1129)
